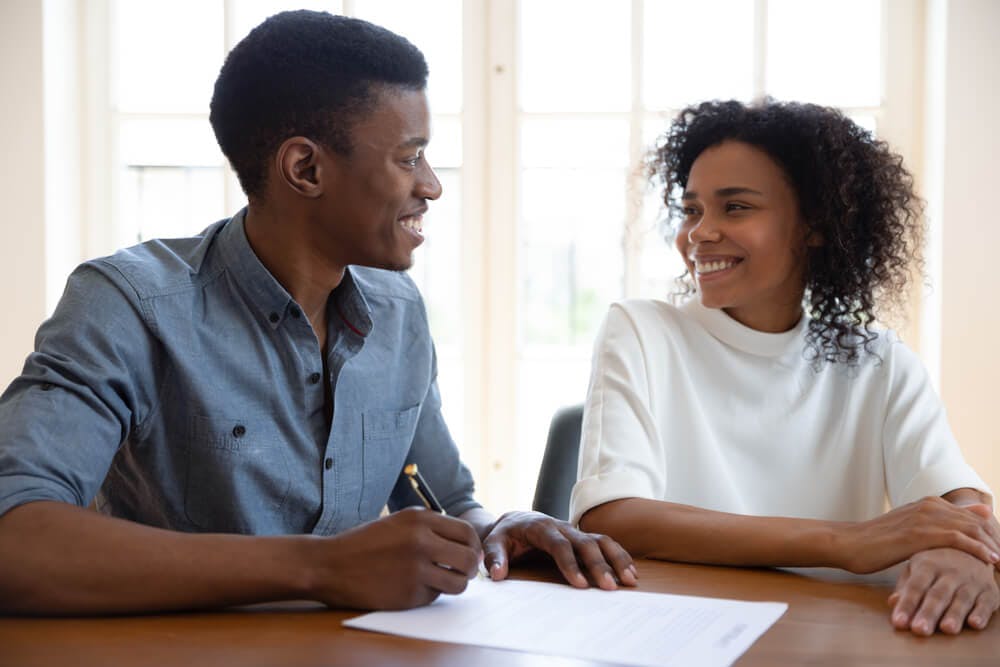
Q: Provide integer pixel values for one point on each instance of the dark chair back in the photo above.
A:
(558, 472)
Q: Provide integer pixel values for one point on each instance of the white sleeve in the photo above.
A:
(922, 457)
(619, 452)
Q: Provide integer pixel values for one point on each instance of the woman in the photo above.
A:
(765, 421)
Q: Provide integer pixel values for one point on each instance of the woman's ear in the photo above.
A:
(299, 166)
(814, 238)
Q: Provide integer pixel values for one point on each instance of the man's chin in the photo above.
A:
(391, 265)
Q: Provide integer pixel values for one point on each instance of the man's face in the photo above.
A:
(371, 210)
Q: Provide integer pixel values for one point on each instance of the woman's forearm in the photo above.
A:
(671, 531)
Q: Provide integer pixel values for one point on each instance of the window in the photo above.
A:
(543, 111)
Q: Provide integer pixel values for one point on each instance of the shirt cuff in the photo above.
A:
(461, 507)
(22, 497)
(593, 491)
(939, 479)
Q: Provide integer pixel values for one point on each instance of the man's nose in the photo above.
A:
(427, 186)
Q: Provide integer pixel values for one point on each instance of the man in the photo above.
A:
(241, 403)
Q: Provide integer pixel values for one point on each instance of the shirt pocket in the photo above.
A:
(387, 436)
(237, 476)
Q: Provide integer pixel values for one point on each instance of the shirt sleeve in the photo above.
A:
(922, 457)
(620, 452)
(79, 395)
(437, 457)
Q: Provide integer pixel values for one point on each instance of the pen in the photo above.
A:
(419, 485)
(427, 496)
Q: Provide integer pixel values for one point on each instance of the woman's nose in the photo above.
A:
(706, 230)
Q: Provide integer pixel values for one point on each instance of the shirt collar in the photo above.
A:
(351, 307)
(272, 301)
(724, 328)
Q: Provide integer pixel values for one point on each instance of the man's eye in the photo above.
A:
(689, 211)
(414, 160)
(734, 206)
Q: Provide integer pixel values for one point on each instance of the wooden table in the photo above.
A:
(827, 623)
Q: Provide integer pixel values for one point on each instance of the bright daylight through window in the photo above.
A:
(543, 110)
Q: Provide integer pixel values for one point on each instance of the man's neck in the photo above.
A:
(284, 249)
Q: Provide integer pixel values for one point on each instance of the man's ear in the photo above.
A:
(300, 167)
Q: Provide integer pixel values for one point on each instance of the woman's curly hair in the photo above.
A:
(854, 195)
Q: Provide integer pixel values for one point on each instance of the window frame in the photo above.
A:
(491, 191)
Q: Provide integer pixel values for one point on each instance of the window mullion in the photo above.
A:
(632, 234)
(473, 245)
(500, 359)
(760, 48)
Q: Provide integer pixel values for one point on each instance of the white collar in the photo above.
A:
(732, 333)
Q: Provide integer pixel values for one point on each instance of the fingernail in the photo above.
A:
(899, 617)
(994, 557)
(635, 573)
(975, 621)
(610, 581)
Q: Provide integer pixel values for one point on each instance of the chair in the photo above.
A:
(558, 471)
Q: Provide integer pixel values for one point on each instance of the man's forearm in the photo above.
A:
(60, 559)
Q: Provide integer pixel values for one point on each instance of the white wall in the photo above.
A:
(22, 191)
(962, 166)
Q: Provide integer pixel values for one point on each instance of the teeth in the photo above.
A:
(413, 223)
(712, 267)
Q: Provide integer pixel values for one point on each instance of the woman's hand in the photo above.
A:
(946, 589)
(930, 523)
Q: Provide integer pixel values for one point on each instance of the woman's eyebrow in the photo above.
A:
(724, 192)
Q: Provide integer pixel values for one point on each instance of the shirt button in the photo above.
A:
(295, 312)
(46, 386)
(328, 463)
(314, 378)
(274, 317)
(239, 430)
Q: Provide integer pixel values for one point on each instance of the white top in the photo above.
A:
(690, 406)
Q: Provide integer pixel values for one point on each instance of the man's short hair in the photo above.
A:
(304, 73)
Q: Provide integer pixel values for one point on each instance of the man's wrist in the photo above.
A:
(481, 521)
(301, 565)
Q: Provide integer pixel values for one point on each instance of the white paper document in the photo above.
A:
(623, 626)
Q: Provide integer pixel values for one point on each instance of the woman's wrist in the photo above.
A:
(835, 544)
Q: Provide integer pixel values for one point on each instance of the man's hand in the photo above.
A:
(946, 589)
(514, 534)
(400, 561)
(930, 523)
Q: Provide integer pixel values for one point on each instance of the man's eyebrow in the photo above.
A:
(415, 142)
(724, 192)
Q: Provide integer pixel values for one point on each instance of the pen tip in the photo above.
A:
(410, 469)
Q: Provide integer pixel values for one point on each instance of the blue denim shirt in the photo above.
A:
(180, 385)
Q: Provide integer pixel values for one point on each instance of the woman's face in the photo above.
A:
(742, 236)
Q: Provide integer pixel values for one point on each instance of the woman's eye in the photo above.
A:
(734, 206)
(689, 211)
